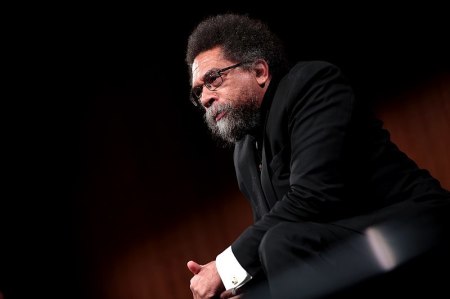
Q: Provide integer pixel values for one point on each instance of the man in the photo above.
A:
(317, 169)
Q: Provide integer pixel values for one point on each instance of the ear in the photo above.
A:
(261, 69)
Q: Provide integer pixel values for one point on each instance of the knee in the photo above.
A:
(274, 240)
(273, 243)
(280, 239)
(288, 238)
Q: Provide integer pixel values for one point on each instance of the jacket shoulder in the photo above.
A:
(303, 77)
(306, 69)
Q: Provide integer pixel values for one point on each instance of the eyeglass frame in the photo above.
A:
(209, 74)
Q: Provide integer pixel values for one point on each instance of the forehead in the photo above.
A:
(207, 60)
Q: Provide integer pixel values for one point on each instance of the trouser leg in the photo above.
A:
(299, 262)
(315, 260)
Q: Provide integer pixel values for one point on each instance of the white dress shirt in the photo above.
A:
(230, 271)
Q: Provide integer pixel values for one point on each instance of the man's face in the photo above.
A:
(232, 108)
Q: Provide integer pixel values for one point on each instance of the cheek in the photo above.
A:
(246, 95)
(243, 91)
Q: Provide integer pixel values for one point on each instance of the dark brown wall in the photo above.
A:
(419, 121)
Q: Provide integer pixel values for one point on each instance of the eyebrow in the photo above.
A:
(206, 73)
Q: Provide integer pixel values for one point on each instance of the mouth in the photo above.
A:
(220, 115)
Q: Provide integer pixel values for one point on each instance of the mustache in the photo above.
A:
(213, 111)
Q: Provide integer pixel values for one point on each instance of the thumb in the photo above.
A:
(194, 267)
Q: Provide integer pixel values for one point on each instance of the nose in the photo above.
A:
(208, 97)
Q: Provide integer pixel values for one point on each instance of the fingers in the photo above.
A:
(194, 267)
(231, 294)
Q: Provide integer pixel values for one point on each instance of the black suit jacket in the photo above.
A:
(320, 156)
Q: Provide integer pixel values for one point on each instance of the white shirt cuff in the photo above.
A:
(230, 271)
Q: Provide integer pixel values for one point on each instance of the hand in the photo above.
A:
(230, 294)
(206, 282)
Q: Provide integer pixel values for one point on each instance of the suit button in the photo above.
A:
(260, 167)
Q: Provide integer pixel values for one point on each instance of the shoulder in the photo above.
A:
(309, 83)
(306, 70)
(306, 77)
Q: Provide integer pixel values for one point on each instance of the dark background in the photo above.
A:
(98, 123)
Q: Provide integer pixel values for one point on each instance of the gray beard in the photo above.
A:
(238, 121)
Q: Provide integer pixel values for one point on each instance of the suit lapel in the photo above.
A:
(247, 175)
(266, 180)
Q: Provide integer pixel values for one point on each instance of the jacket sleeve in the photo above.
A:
(319, 106)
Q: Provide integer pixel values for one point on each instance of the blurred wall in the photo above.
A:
(419, 121)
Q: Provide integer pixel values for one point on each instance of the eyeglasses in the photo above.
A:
(212, 80)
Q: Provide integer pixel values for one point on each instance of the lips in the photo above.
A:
(220, 115)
